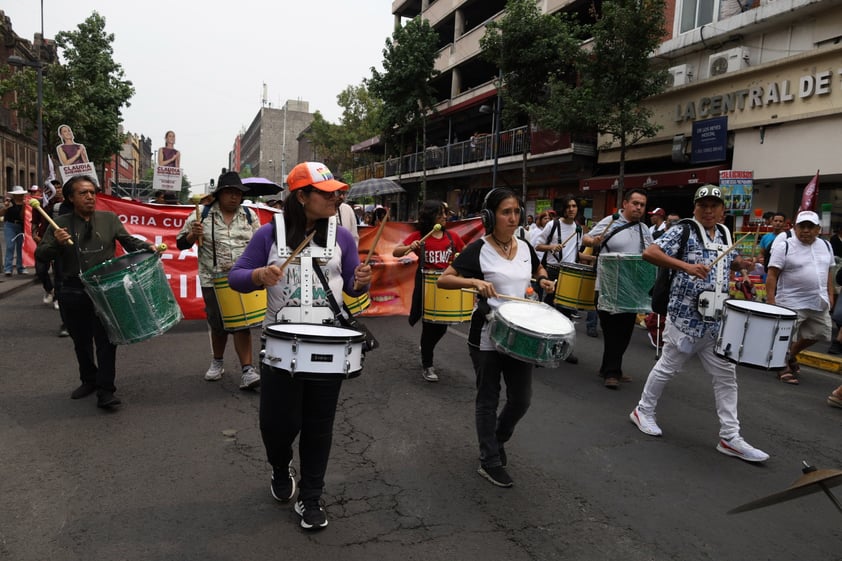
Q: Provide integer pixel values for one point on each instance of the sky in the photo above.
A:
(200, 71)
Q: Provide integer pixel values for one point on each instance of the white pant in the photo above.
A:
(678, 347)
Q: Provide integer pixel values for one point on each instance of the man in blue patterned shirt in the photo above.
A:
(687, 332)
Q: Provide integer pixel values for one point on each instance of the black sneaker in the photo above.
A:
(504, 461)
(835, 348)
(497, 475)
(312, 514)
(107, 400)
(283, 484)
(83, 390)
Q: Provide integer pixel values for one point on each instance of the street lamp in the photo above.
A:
(39, 72)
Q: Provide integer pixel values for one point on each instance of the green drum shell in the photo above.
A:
(132, 297)
(548, 350)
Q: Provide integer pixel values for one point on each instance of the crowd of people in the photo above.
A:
(312, 244)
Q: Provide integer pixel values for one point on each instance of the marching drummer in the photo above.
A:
(224, 228)
(496, 264)
(288, 405)
(435, 253)
(619, 233)
(687, 332)
(86, 237)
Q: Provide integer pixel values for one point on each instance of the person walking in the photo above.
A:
(13, 216)
(687, 332)
(225, 228)
(86, 238)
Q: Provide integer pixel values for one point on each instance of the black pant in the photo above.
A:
(431, 334)
(617, 332)
(495, 430)
(42, 271)
(87, 330)
(289, 406)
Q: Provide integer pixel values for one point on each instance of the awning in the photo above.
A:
(365, 144)
(655, 180)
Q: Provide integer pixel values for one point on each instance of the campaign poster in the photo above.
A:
(167, 173)
(737, 187)
(73, 157)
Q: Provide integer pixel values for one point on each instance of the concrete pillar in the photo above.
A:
(455, 83)
(458, 25)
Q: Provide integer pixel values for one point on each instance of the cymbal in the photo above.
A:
(813, 481)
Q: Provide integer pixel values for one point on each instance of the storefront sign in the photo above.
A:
(710, 138)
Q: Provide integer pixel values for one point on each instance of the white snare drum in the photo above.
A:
(755, 333)
(313, 352)
(534, 333)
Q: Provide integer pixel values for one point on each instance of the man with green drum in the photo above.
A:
(85, 238)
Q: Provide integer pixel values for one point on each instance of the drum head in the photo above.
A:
(313, 332)
(538, 318)
(577, 267)
(119, 264)
(760, 308)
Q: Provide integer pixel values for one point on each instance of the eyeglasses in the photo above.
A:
(327, 195)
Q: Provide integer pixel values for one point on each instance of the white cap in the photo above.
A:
(807, 216)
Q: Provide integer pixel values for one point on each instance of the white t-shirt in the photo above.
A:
(802, 281)
(561, 234)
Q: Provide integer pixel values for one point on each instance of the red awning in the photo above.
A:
(655, 180)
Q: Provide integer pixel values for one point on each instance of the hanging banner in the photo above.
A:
(167, 173)
(737, 187)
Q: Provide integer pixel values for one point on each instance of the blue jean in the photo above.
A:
(14, 246)
(495, 430)
(289, 407)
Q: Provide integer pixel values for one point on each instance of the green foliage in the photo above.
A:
(531, 49)
(405, 83)
(90, 88)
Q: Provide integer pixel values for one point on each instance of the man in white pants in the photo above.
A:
(687, 333)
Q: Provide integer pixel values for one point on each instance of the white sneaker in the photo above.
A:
(48, 299)
(216, 370)
(741, 449)
(251, 378)
(430, 374)
(55, 303)
(646, 423)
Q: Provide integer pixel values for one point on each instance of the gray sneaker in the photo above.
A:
(741, 449)
(430, 374)
(251, 378)
(216, 370)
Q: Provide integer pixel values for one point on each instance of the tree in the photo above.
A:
(615, 78)
(405, 85)
(96, 84)
(531, 49)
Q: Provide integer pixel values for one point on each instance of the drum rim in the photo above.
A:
(136, 259)
(544, 334)
(742, 305)
(312, 337)
(578, 267)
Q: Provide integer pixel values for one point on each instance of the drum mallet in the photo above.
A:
(730, 249)
(196, 199)
(436, 228)
(37, 206)
(376, 238)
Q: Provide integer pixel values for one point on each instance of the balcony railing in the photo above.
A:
(479, 148)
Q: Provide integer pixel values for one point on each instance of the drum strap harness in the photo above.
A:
(205, 212)
(617, 230)
(557, 228)
(346, 319)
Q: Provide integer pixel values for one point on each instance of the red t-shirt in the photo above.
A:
(438, 252)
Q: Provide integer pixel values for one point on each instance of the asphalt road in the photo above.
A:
(179, 473)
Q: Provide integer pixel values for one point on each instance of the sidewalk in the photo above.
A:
(10, 285)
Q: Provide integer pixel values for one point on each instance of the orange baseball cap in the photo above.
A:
(316, 174)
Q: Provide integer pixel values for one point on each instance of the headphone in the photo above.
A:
(488, 216)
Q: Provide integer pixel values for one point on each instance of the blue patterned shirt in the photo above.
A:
(684, 292)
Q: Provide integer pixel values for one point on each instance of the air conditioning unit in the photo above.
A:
(728, 61)
(681, 74)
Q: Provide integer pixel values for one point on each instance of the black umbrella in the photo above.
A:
(374, 188)
(261, 187)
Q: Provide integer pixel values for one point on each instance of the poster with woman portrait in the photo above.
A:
(72, 156)
(167, 174)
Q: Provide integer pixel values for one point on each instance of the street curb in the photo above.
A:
(14, 287)
(821, 361)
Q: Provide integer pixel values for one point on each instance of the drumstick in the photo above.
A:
(299, 249)
(729, 250)
(502, 296)
(37, 206)
(376, 238)
(615, 216)
(198, 219)
(436, 228)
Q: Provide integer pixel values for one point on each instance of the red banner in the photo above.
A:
(392, 283)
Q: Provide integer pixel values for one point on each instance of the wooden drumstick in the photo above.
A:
(376, 238)
(436, 228)
(502, 296)
(615, 216)
(200, 237)
(37, 206)
(729, 250)
(299, 249)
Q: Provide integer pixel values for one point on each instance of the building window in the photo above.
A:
(696, 13)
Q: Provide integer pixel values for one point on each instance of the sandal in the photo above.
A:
(792, 364)
(834, 400)
(788, 377)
